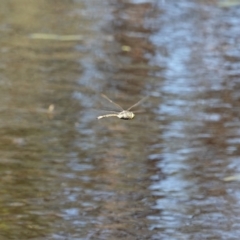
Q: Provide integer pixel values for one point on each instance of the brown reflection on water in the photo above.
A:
(33, 149)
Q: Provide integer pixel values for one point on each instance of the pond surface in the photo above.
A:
(172, 172)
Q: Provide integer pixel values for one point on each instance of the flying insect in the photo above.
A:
(123, 114)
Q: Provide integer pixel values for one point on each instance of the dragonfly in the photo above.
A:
(123, 114)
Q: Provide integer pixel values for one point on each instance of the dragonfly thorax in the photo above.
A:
(126, 115)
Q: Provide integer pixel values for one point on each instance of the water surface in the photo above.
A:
(164, 175)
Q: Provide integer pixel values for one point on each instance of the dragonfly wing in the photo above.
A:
(136, 104)
(104, 96)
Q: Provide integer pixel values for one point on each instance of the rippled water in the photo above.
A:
(170, 173)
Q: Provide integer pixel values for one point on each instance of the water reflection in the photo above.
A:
(193, 156)
(66, 175)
